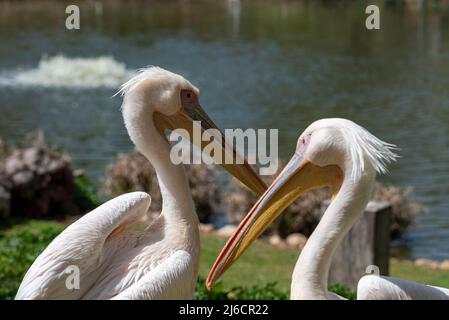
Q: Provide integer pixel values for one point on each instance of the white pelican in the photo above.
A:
(372, 287)
(331, 152)
(116, 263)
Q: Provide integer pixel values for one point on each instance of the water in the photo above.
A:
(258, 64)
(60, 71)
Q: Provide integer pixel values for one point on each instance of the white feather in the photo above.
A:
(373, 287)
(362, 146)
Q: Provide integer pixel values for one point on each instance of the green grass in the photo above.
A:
(407, 270)
(85, 194)
(261, 273)
(19, 247)
(273, 265)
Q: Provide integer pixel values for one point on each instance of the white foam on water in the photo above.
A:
(62, 71)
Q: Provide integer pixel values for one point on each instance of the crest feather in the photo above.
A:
(364, 146)
(142, 74)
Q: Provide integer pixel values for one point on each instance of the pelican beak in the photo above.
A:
(193, 118)
(298, 177)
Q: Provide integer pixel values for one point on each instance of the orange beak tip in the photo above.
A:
(209, 284)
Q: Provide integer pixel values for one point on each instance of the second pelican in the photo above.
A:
(335, 153)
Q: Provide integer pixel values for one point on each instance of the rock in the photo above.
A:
(444, 265)
(296, 241)
(206, 227)
(78, 173)
(276, 241)
(4, 202)
(426, 263)
(226, 231)
(40, 182)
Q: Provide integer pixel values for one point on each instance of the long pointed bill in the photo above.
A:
(194, 120)
(298, 177)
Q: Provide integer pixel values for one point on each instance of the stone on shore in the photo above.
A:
(444, 265)
(426, 263)
(226, 231)
(296, 241)
(206, 227)
(276, 241)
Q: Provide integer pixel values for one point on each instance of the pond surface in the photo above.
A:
(262, 64)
